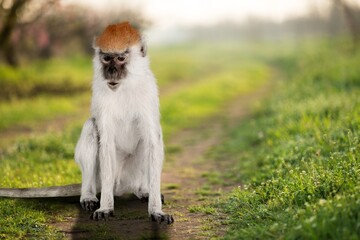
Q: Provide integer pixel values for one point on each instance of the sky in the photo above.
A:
(169, 17)
(204, 12)
(170, 13)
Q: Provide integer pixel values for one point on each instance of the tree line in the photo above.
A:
(35, 29)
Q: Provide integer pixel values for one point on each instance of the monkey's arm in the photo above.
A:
(56, 191)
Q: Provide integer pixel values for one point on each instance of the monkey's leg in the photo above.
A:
(142, 165)
(107, 164)
(86, 156)
(155, 154)
(146, 199)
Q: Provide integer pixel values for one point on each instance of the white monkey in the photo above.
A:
(120, 149)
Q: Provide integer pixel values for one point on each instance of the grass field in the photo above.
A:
(297, 160)
(54, 76)
(196, 83)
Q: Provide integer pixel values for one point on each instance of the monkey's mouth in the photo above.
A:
(113, 84)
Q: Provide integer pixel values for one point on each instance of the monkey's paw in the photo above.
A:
(162, 217)
(102, 214)
(90, 205)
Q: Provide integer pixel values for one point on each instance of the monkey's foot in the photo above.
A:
(90, 205)
(146, 199)
(162, 217)
(103, 214)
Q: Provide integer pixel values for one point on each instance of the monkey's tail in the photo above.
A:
(56, 191)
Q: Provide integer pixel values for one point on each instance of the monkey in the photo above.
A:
(120, 149)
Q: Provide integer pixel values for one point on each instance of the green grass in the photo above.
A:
(36, 162)
(181, 64)
(63, 76)
(43, 90)
(46, 90)
(186, 107)
(48, 159)
(28, 112)
(183, 108)
(28, 219)
(297, 160)
(41, 161)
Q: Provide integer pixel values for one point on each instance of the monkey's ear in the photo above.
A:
(143, 47)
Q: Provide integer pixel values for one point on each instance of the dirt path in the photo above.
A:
(182, 179)
(188, 167)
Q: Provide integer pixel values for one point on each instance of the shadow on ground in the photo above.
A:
(131, 220)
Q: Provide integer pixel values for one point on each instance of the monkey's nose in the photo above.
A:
(112, 69)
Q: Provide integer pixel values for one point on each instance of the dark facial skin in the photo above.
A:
(114, 67)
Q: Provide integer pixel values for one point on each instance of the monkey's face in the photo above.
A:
(114, 67)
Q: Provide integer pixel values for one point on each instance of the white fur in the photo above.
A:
(129, 155)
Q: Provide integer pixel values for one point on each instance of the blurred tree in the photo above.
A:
(80, 24)
(13, 17)
(9, 23)
(352, 17)
(31, 29)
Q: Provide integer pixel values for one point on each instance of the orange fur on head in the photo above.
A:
(117, 37)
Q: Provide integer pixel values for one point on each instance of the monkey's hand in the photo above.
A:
(161, 217)
(90, 204)
(102, 214)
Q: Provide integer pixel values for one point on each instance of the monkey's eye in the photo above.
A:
(106, 59)
(120, 59)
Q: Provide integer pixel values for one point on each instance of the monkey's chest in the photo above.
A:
(126, 137)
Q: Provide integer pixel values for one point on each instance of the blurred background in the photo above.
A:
(46, 46)
(205, 54)
(32, 30)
